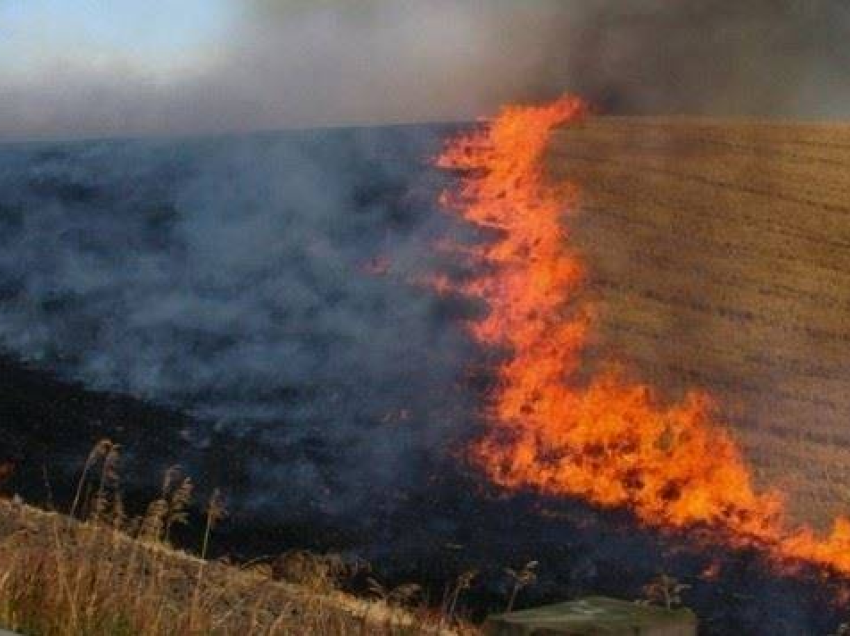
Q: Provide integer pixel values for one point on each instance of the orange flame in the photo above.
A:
(607, 440)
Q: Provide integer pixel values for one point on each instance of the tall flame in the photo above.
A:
(551, 429)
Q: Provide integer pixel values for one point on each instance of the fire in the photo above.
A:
(552, 429)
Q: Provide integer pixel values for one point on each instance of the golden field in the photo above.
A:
(718, 258)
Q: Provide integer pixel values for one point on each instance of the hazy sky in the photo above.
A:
(77, 68)
(155, 36)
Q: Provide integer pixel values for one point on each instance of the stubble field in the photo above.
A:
(718, 257)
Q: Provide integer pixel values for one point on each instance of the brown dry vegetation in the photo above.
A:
(718, 256)
(116, 576)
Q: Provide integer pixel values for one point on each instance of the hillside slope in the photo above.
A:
(62, 577)
(718, 256)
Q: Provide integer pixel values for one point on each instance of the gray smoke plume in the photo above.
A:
(293, 63)
(266, 284)
(761, 58)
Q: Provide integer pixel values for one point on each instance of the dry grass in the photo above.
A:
(719, 257)
(108, 574)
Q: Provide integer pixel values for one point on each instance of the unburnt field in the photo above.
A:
(718, 257)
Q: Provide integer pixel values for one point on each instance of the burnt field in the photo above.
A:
(718, 257)
(253, 309)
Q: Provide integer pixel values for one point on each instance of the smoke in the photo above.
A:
(458, 58)
(765, 57)
(267, 285)
(291, 63)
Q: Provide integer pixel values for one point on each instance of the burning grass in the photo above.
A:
(559, 428)
(108, 574)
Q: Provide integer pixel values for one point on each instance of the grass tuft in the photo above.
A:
(98, 572)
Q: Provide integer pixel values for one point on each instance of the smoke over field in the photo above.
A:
(613, 345)
(269, 286)
(269, 312)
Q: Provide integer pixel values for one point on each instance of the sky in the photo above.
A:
(156, 36)
(91, 68)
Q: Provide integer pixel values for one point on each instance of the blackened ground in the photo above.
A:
(48, 427)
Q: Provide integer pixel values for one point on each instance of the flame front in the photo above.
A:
(552, 429)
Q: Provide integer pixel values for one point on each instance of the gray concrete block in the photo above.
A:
(594, 616)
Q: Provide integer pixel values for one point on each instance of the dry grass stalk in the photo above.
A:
(100, 573)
